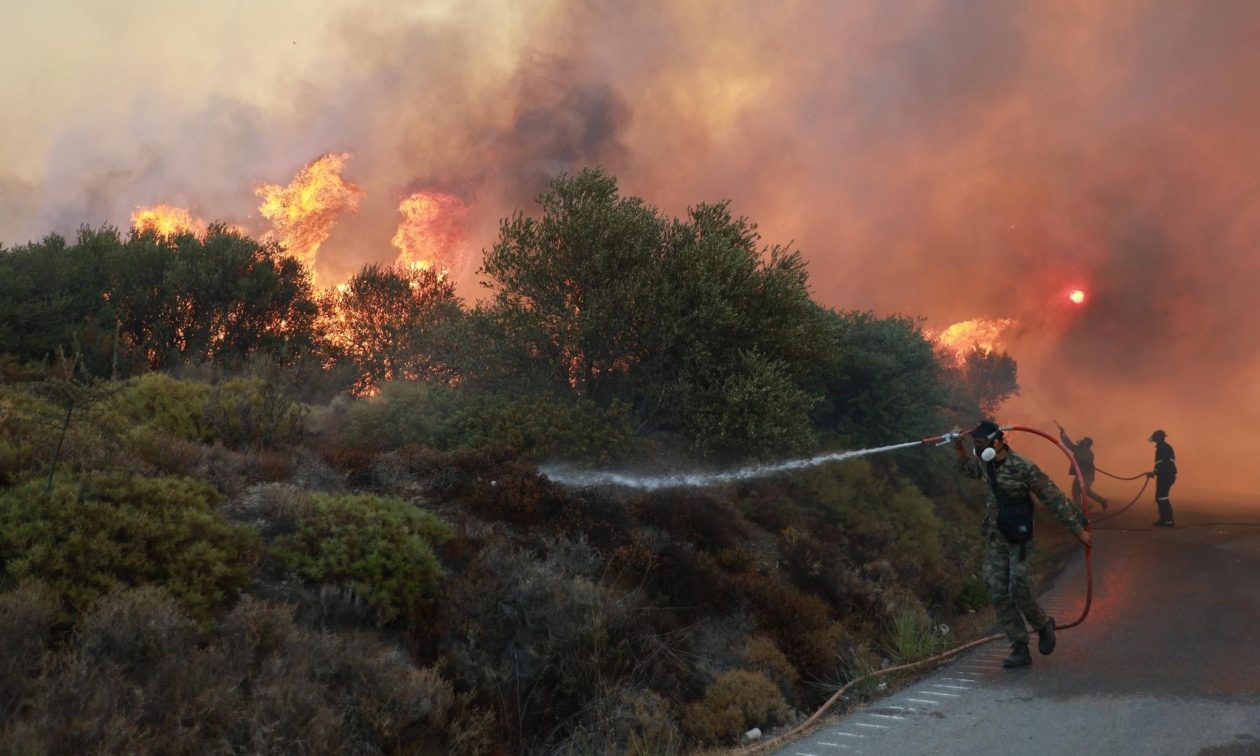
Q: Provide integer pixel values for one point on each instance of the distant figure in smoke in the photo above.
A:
(1083, 450)
(1165, 474)
(1008, 526)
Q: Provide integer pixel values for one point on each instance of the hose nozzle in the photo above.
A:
(942, 439)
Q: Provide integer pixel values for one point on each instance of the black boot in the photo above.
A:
(1045, 638)
(1019, 657)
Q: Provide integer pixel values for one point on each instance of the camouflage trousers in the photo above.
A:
(1009, 578)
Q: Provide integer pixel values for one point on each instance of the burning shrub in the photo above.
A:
(382, 549)
(101, 531)
(736, 701)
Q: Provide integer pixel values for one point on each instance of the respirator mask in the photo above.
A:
(985, 433)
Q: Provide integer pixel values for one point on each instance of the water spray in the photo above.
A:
(568, 476)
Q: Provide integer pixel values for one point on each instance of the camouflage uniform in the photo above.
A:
(1006, 569)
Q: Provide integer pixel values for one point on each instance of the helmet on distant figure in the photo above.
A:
(1158, 435)
(1086, 441)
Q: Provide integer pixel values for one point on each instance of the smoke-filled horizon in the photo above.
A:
(937, 158)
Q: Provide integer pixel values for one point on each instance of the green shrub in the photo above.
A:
(536, 427)
(405, 412)
(245, 412)
(101, 531)
(757, 409)
(381, 548)
(540, 428)
(974, 595)
(239, 412)
(158, 402)
(911, 636)
(28, 432)
(880, 517)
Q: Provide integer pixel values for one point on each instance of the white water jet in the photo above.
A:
(569, 476)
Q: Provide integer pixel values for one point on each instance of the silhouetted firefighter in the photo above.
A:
(1083, 450)
(1165, 474)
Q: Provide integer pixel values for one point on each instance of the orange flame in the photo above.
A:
(431, 230)
(167, 220)
(960, 338)
(304, 212)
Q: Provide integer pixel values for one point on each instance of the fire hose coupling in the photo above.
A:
(943, 439)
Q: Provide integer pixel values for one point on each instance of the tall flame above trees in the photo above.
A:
(304, 212)
(431, 230)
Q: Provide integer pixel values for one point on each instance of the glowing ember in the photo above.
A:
(167, 220)
(1077, 296)
(431, 230)
(305, 211)
(960, 338)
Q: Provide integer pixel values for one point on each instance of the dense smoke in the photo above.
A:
(944, 158)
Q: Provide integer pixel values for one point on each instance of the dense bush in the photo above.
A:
(405, 412)
(100, 531)
(539, 637)
(28, 615)
(158, 402)
(24, 429)
(877, 516)
(380, 548)
(141, 677)
(239, 412)
(251, 412)
(50, 420)
(539, 428)
(535, 427)
(735, 702)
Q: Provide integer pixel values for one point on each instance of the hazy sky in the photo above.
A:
(944, 158)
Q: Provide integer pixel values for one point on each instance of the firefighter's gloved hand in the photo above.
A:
(1150, 475)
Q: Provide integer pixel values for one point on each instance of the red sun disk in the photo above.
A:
(1077, 296)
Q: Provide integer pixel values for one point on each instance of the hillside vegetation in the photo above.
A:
(240, 515)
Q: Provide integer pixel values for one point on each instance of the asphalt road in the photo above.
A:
(1168, 661)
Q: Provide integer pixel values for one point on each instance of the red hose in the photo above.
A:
(1083, 503)
(805, 726)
